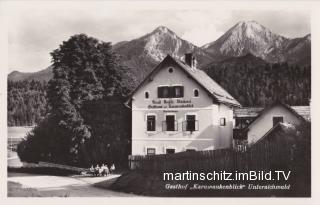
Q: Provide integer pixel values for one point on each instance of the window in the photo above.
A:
(191, 123)
(170, 151)
(146, 95)
(178, 92)
(169, 124)
(163, 92)
(170, 92)
(190, 150)
(151, 151)
(151, 123)
(196, 93)
(170, 70)
(242, 122)
(276, 120)
(223, 121)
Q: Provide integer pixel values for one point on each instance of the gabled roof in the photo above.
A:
(283, 127)
(213, 88)
(247, 112)
(282, 104)
(304, 111)
(252, 112)
(210, 85)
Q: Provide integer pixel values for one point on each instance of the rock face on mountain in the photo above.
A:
(142, 54)
(241, 61)
(251, 37)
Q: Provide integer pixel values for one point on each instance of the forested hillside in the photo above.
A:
(253, 64)
(26, 102)
(258, 84)
(252, 81)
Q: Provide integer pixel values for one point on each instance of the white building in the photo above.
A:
(177, 107)
(271, 116)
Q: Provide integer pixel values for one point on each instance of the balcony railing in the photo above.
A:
(169, 126)
(192, 125)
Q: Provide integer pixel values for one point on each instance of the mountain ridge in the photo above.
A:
(42, 75)
(251, 37)
(142, 54)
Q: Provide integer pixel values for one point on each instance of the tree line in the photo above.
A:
(80, 114)
(26, 102)
(250, 85)
(254, 85)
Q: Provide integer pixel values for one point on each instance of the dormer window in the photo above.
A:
(196, 93)
(146, 95)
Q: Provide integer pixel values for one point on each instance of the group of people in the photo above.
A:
(103, 170)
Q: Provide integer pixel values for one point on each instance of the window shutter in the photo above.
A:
(182, 91)
(151, 123)
(160, 92)
(171, 92)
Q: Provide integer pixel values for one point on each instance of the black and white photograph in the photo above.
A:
(124, 99)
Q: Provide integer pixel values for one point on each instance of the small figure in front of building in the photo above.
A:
(106, 170)
(101, 170)
(112, 168)
(91, 170)
(96, 170)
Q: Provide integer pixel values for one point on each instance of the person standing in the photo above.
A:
(112, 168)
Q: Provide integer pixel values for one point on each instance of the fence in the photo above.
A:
(240, 145)
(262, 156)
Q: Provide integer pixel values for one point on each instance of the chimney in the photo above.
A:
(190, 60)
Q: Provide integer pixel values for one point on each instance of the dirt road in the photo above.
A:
(65, 186)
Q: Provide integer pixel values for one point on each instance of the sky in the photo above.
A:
(34, 33)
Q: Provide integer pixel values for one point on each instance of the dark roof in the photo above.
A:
(285, 128)
(278, 103)
(247, 112)
(208, 83)
(213, 88)
(252, 112)
(303, 111)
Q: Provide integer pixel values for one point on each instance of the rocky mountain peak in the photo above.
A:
(162, 29)
(250, 28)
(140, 55)
(249, 37)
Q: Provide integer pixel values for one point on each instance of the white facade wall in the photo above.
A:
(265, 122)
(210, 134)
